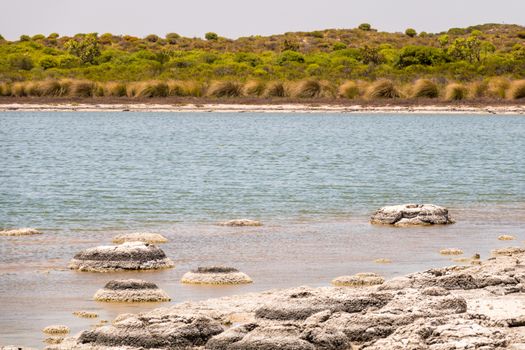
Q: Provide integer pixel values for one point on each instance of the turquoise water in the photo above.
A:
(313, 179)
(130, 170)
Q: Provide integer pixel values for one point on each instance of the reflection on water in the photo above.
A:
(312, 179)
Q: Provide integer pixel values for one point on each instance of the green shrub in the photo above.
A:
(365, 26)
(517, 90)
(382, 89)
(25, 38)
(290, 56)
(172, 38)
(410, 32)
(211, 36)
(339, 46)
(1, 37)
(455, 92)
(152, 38)
(53, 36)
(38, 37)
(21, 62)
(425, 88)
(48, 62)
(225, 89)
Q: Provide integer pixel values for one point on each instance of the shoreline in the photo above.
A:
(476, 305)
(255, 106)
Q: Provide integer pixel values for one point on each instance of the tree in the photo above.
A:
(86, 49)
(211, 36)
(411, 32)
(365, 26)
(371, 55)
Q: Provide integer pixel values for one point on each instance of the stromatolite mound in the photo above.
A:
(358, 280)
(20, 232)
(145, 237)
(412, 214)
(131, 291)
(127, 256)
(241, 222)
(150, 332)
(217, 275)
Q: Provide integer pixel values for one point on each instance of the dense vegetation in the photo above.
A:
(336, 62)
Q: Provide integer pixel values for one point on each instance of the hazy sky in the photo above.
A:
(234, 18)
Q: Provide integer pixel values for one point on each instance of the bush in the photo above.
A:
(382, 89)
(225, 89)
(455, 92)
(152, 38)
(290, 56)
(365, 26)
(21, 62)
(339, 46)
(172, 38)
(25, 38)
(349, 90)
(211, 36)
(38, 37)
(411, 32)
(517, 90)
(419, 55)
(48, 62)
(425, 88)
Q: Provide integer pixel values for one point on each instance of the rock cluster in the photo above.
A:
(358, 280)
(458, 307)
(153, 238)
(20, 232)
(131, 291)
(216, 275)
(412, 214)
(127, 256)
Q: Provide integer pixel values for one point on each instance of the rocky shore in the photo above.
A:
(479, 306)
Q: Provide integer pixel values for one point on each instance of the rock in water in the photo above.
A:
(127, 256)
(131, 291)
(216, 275)
(412, 214)
(140, 237)
(20, 232)
(241, 222)
(56, 329)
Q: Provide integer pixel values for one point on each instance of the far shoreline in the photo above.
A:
(246, 105)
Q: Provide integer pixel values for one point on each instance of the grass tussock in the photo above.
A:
(82, 88)
(18, 89)
(425, 88)
(277, 89)
(455, 92)
(497, 87)
(255, 88)
(349, 89)
(308, 89)
(225, 89)
(478, 89)
(382, 89)
(115, 89)
(185, 89)
(516, 90)
(152, 89)
(5, 89)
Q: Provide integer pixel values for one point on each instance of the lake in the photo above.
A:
(312, 179)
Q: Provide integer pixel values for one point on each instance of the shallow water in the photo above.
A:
(313, 179)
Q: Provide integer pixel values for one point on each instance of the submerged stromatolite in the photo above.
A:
(241, 222)
(20, 232)
(145, 237)
(216, 275)
(358, 280)
(127, 256)
(131, 291)
(412, 214)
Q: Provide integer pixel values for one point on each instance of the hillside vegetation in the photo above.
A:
(480, 61)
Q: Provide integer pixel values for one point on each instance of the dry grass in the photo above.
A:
(497, 87)
(225, 89)
(516, 90)
(382, 89)
(425, 88)
(255, 88)
(82, 88)
(115, 89)
(349, 89)
(478, 89)
(5, 89)
(455, 92)
(152, 89)
(277, 89)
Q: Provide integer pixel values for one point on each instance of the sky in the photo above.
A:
(234, 18)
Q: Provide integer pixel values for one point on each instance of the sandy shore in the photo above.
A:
(479, 305)
(262, 108)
